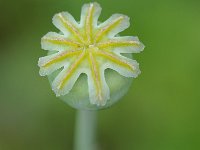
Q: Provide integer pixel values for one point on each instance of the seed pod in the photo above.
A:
(89, 65)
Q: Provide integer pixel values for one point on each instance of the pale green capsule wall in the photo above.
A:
(78, 97)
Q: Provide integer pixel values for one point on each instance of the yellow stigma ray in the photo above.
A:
(89, 22)
(59, 41)
(96, 75)
(115, 59)
(71, 27)
(60, 57)
(116, 43)
(105, 30)
(71, 70)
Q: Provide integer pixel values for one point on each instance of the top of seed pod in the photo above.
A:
(88, 47)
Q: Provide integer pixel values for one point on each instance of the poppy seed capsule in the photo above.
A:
(89, 65)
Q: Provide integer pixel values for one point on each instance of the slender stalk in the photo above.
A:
(85, 132)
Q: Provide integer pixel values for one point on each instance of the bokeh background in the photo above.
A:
(160, 111)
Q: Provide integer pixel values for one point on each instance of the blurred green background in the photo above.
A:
(161, 110)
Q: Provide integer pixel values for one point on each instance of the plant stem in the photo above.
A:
(85, 130)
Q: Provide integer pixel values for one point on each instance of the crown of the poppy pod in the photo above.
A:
(88, 64)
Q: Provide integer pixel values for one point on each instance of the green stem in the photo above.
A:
(85, 133)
